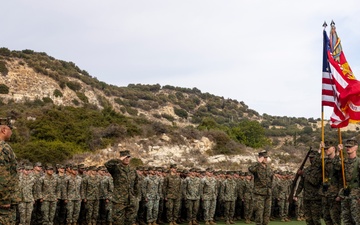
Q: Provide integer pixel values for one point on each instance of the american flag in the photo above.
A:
(330, 94)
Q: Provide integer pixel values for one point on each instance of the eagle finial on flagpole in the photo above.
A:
(324, 24)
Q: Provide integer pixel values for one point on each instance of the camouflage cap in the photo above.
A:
(351, 143)
(28, 167)
(81, 166)
(125, 153)
(60, 166)
(74, 167)
(263, 153)
(6, 121)
(49, 167)
(328, 144)
(173, 166)
(38, 164)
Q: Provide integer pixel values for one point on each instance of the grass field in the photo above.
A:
(276, 222)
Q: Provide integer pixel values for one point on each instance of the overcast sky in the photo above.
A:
(265, 53)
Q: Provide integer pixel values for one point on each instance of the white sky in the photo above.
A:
(266, 53)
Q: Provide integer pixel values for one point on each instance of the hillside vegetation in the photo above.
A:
(60, 111)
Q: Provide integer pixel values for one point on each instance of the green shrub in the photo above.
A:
(58, 93)
(82, 97)
(3, 69)
(168, 117)
(75, 86)
(181, 113)
(47, 100)
(4, 89)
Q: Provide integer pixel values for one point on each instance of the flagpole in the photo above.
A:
(342, 159)
(323, 133)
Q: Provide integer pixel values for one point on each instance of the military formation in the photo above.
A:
(115, 193)
(75, 194)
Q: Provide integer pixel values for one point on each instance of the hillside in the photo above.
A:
(51, 101)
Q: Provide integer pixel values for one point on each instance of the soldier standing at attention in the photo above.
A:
(47, 190)
(247, 197)
(73, 196)
(8, 174)
(209, 194)
(191, 192)
(125, 188)
(228, 196)
(151, 191)
(172, 189)
(26, 195)
(90, 190)
(310, 184)
(331, 203)
(263, 177)
(350, 204)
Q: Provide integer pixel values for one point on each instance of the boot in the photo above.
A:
(194, 222)
(247, 221)
(190, 223)
(154, 223)
(171, 223)
(232, 222)
(212, 222)
(227, 222)
(150, 223)
(207, 223)
(175, 223)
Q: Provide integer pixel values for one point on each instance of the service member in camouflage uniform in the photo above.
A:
(350, 204)
(331, 203)
(228, 196)
(90, 191)
(208, 196)
(263, 177)
(191, 192)
(247, 197)
(8, 174)
(172, 189)
(26, 204)
(36, 217)
(60, 215)
(282, 192)
(47, 190)
(125, 189)
(106, 192)
(73, 196)
(151, 193)
(310, 184)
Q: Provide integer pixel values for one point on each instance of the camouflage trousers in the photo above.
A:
(105, 211)
(299, 210)
(60, 214)
(312, 212)
(7, 216)
(229, 210)
(283, 207)
(73, 211)
(48, 209)
(209, 207)
(262, 209)
(331, 211)
(192, 208)
(248, 208)
(350, 211)
(172, 209)
(92, 210)
(123, 214)
(152, 210)
(25, 211)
